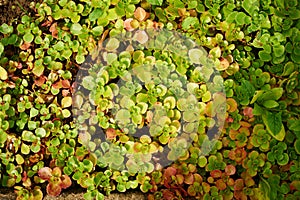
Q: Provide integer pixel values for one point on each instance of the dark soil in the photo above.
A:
(14, 10)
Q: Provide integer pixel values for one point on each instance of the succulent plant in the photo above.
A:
(56, 180)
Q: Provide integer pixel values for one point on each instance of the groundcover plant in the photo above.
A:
(179, 99)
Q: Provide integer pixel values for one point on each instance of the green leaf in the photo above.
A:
(66, 113)
(40, 132)
(25, 149)
(112, 44)
(80, 58)
(264, 190)
(264, 56)
(273, 94)
(33, 112)
(155, 2)
(28, 136)
(123, 116)
(274, 124)
(1, 48)
(3, 137)
(294, 125)
(278, 50)
(196, 55)
(257, 94)
(190, 22)
(38, 70)
(88, 82)
(76, 29)
(240, 18)
(6, 29)
(270, 104)
(297, 146)
(98, 30)
(95, 14)
(28, 37)
(288, 69)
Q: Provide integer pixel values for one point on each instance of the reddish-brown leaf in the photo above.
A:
(230, 170)
(220, 184)
(53, 189)
(53, 30)
(111, 133)
(40, 80)
(216, 173)
(45, 173)
(65, 182)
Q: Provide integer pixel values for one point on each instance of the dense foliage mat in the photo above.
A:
(176, 98)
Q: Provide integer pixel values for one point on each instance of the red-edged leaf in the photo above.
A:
(189, 179)
(40, 80)
(216, 173)
(56, 172)
(230, 170)
(127, 24)
(239, 184)
(168, 195)
(53, 189)
(57, 85)
(180, 178)
(220, 184)
(45, 173)
(65, 182)
(65, 84)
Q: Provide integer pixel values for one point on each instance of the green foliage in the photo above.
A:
(159, 99)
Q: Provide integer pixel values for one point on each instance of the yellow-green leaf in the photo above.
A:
(66, 102)
(274, 124)
(3, 73)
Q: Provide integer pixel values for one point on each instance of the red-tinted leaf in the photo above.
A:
(191, 191)
(180, 178)
(127, 24)
(24, 176)
(57, 85)
(170, 171)
(111, 133)
(45, 173)
(65, 84)
(40, 80)
(140, 14)
(230, 170)
(25, 46)
(220, 184)
(239, 184)
(198, 178)
(53, 189)
(65, 92)
(168, 195)
(56, 172)
(216, 173)
(230, 182)
(248, 112)
(53, 30)
(295, 185)
(206, 187)
(65, 182)
(189, 179)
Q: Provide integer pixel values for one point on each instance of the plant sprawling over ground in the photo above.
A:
(112, 95)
